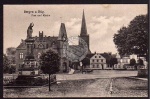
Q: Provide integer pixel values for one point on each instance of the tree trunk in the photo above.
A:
(82, 69)
(49, 82)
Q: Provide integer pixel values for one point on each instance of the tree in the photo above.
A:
(12, 69)
(11, 51)
(108, 58)
(134, 38)
(86, 61)
(113, 61)
(140, 62)
(132, 62)
(6, 64)
(49, 62)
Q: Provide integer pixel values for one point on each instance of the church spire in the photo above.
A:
(83, 26)
(62, 32)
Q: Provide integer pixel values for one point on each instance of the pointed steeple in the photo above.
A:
(83, 26)
(62, 32)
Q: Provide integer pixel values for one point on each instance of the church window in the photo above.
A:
(21, 55)
(97, 60)
(99, 56)
(95, 56)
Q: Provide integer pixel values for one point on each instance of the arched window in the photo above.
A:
(40, 46)
(21, 55)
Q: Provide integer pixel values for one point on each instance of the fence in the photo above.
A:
(8, 79)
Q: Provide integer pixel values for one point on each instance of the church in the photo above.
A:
(41, 43)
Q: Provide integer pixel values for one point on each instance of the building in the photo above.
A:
(97, 61)
(42, 43)
(124, 61)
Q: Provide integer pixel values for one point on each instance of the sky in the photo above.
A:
(102, 21)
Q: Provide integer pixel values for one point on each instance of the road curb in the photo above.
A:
(139, 78)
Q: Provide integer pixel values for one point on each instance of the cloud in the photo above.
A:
(73, 26)
(102, 22)
(102, 29)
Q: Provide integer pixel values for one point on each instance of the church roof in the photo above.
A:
(72, 46)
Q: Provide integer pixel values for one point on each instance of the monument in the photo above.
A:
(29, 69)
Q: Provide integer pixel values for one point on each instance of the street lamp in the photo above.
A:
(81, 65)
(121, 62)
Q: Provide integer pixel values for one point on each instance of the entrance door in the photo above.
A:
(64, 67)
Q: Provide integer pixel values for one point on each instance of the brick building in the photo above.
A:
(53, 42)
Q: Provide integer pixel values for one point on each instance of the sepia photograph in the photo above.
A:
(75, 50)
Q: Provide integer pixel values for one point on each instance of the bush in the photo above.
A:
(142, 73)
(12, 69)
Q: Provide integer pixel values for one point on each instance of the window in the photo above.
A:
(95, 56)
(99, 56)
(97, 65)
(21, 55)
(93, 60)
(101, 60)
(97, 60)
(93, 65)
(39, 54)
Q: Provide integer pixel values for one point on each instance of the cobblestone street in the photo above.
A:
(87, 85)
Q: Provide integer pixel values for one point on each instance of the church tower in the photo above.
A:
(62, 43)
(62, 39)
(83, 34)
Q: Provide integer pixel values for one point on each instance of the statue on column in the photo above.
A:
(30, 30)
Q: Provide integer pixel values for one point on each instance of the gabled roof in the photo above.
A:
(21, 46)
(106, 56)
(89, 55)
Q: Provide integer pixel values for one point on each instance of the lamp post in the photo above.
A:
(121, 62)
(81, 66)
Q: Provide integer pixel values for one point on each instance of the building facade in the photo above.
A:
(124, 62)
(97, 61)
(56, 43)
